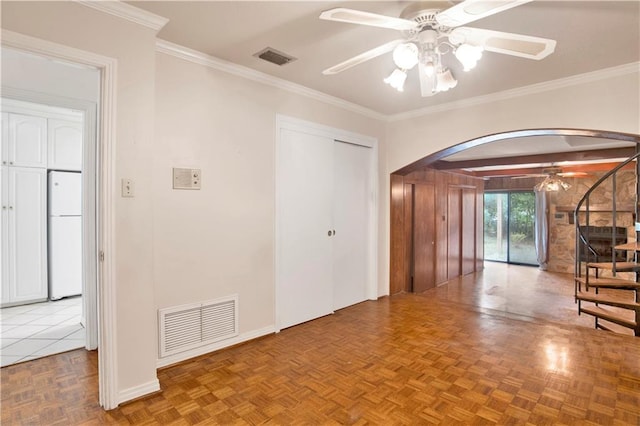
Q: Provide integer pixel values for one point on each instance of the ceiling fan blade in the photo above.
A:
(573, 174)
(427, 84)
(520, 45)
(472, 10)
(353, 16)
(365, 56)
(527, 176)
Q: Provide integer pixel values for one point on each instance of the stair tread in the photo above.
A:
(598, 298)
(634, 245)
(604, 324)
(619, 265)
(609, 282)
(599, 312)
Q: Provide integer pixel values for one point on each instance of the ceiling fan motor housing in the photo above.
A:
(424, 13)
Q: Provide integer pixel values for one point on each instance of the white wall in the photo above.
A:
(75, 25)
(610, 104)
(220, 240)
(42, 75)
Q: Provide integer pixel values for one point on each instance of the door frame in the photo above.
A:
(508, 193)
(105, 198)
(89, 244)
(296, 124)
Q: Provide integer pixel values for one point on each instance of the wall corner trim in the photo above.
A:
(602, 74)
(138, 391)
(128, 12)
(200, 58)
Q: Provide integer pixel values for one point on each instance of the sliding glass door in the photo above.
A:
(509, 219)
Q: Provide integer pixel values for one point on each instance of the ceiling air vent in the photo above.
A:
(275, 57)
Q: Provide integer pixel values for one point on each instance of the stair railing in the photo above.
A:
(582, 238)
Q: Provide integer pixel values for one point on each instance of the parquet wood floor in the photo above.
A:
(400, 360)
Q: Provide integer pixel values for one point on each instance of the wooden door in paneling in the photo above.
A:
(397, 262)
(468, 236)
(423, 237)
(408, 236)
(454, 228)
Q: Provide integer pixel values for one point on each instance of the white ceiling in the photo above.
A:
(591, 35)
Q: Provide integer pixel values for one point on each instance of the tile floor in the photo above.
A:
(40, 329)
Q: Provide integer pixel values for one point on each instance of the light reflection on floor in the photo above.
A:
(522, 292)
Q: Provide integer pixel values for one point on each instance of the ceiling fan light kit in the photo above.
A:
(431, 30)
(406, 55)
(468, 55)
(397, 79)
(552, 184)
(445, 81)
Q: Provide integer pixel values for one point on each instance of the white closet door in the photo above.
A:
(351, 204)
(304, 258)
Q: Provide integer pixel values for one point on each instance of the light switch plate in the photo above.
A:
(186, 178)
(127, 187)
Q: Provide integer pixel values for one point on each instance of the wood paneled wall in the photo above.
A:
(452, 211)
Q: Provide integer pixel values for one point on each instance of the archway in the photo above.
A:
(449, 241)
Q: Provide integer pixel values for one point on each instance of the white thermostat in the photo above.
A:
(186, 178)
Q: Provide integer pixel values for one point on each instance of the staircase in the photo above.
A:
(617, 273)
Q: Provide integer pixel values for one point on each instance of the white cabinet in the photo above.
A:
(25, 144)
(64, 145)
(24, 232)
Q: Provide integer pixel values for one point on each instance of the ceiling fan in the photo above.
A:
(434, 28)
(552, 172)
(552, 179)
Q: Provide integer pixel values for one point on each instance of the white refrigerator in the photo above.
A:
(65, 234)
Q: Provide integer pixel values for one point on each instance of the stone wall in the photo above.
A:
(561, 226)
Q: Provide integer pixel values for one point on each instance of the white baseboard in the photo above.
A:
(138, 391)
(183, 356)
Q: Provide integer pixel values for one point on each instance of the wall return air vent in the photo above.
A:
(191, 326)
(270, 54)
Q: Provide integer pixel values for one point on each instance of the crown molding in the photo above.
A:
(128, 12)
(574, 80)
(197, 57)
(200, 58)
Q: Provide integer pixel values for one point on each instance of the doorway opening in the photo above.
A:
(509, 220)
(102, 205)
(49, 281)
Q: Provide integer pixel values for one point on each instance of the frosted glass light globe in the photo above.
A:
(406, 56)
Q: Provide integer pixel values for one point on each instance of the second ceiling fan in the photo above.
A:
(433, 29)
